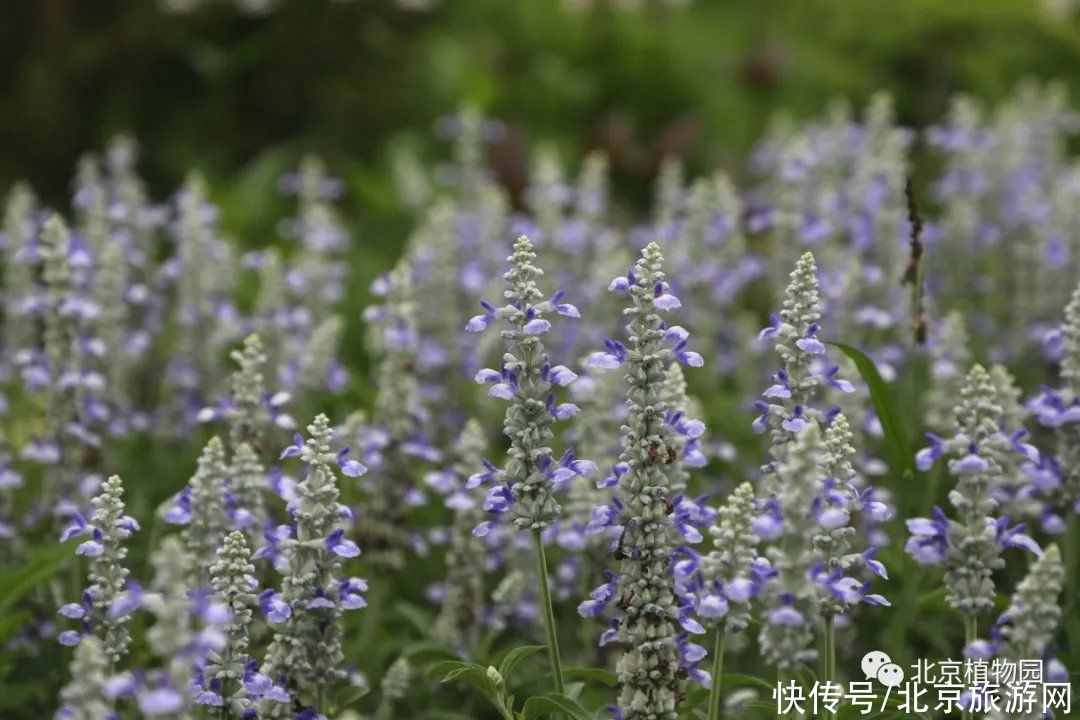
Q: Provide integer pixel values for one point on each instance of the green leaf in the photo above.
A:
(554, 704)
(471, 674)
(11, 622)
(41, 566)
(597, 675)
(513, 658)
(420, 652)
(450, 669)
(416, 617)
(350, 695)
(897, 446)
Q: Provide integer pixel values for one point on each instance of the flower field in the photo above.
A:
(803, 442)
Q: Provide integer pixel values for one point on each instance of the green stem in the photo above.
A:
(971, 633)
(828, 652)
(717, 673)
(549, 615)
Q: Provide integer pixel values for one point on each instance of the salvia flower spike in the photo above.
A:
(649, 612)
(230, 678)
(466, 557)
(307, 612)
(788, 405)
(525, 378)
(970, 546)
(106, 532)
(82, 697)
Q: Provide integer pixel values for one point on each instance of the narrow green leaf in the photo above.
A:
(553, 704)
(513, 658)
(897, 446)
(418, 618)
(10, 624)
(471, 674)
(597, 675)
(349, 695)
(450, 669)
(420, 652)
(41, 566)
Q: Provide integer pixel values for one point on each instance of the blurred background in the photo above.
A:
(239, 89)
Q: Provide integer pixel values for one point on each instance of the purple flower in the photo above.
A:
(508, 388)
(294, 449)
(665, 300)
(1012, 537)
(599, 598)
(603, 516)
(840, 384)
(536, 326)
(689, 624)
(92, 548)
(78, 526)
(349, 592)
(691, 358)
(350, 468)
(160, 701)
(874, 566)
(128, 601)
(609, 360)
(340, 545)
(273, 537)
(796, 423)
(739, 590)
(274, 606)
(786, 615)
(971, 463)
(498, 499)
(320, 601)
(70, 638)
(712, 606)
(1027, 450)
(770, 331)
(478, 479)
(255, 683)
(925, 458)
(72, 610)
(809, 343)
(623, 282)
(569, 466)
(483, 528)
(558, 375)
(928, 542)
(478, 322)
(562, 411)
(565, 309)
(780, 389)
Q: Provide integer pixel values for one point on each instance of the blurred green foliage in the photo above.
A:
(216, 89)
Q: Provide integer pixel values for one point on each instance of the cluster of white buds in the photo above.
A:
(950, 359)
(207, 518)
